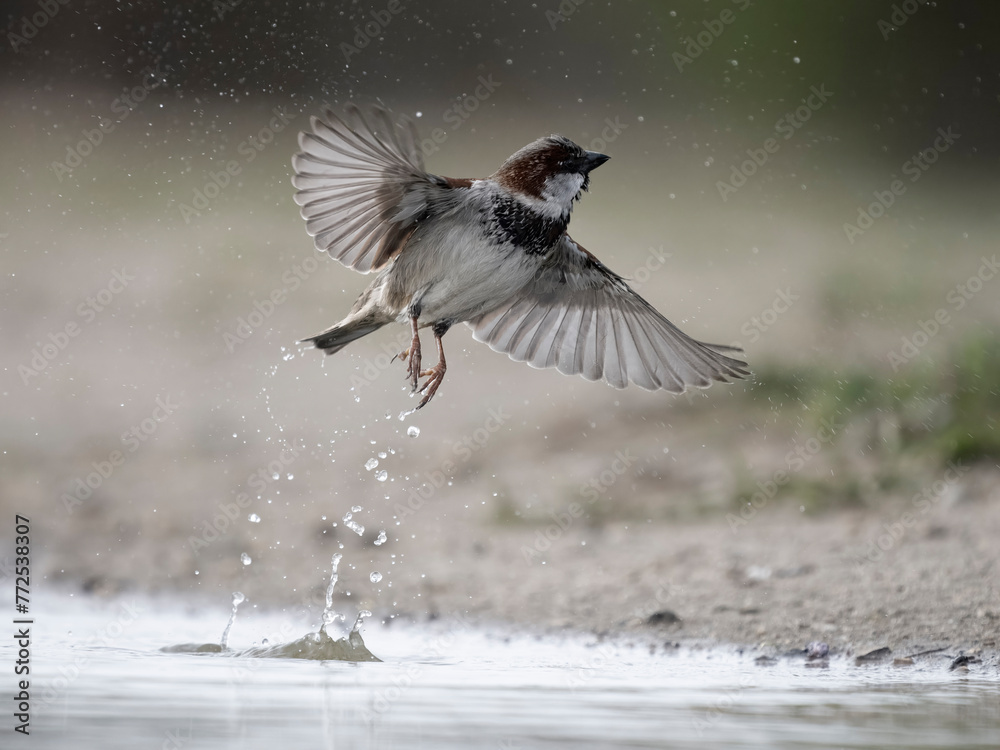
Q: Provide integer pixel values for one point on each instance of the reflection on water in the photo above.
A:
(446, 685)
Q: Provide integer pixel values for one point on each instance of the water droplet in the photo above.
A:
(371, 463)
(355, 509)
(245, 559)
(238, 598)
(796, 60)
(354, 526)
(375, 577)
(381, 538)
(413, 431)
(253, 518)
(382, 475)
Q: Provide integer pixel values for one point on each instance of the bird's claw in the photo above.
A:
(413, 364)
(434, 377)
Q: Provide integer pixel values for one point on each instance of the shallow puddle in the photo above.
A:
(101, 679)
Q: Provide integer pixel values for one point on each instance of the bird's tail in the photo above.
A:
(332, 340)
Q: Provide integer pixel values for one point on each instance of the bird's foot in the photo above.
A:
(412, 358)
(434, 377)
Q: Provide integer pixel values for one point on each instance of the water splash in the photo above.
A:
(356, 628)
(381, 538)
(238, 599)
(353, 525)
(319, 646)
(329, 616)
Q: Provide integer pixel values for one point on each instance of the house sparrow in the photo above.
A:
(492, 253)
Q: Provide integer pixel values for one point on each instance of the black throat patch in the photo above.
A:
(511, 221)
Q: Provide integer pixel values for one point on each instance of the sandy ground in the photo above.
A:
(635, 561)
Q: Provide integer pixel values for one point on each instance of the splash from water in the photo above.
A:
(238, 599)
(319, 646)
(329, 616)
(354, 526)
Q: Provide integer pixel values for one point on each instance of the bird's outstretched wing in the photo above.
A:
(583, 319)
(361, 184)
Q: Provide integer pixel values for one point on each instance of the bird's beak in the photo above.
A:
(592, 160)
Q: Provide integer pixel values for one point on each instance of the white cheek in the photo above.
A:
(562, 188)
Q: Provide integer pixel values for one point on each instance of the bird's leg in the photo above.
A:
(413, 353)
(436, 374)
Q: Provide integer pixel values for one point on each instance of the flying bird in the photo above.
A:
(492, 253)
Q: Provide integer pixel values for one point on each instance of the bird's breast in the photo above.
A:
(510, 221)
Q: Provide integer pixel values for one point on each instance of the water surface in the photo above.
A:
(102, 680)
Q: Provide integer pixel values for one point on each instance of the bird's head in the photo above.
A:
(553, 170)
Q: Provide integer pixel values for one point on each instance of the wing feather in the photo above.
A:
(361, 183)
(583, 319)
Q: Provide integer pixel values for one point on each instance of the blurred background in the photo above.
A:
(816, 182)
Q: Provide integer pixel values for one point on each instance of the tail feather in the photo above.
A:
(332, 340)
